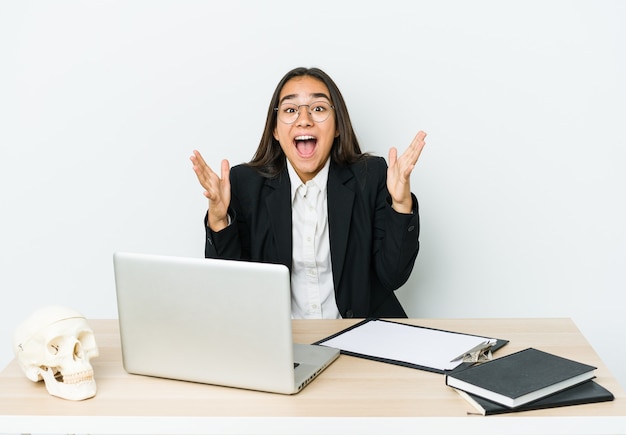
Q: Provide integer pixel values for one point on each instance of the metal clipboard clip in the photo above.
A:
(479, 353)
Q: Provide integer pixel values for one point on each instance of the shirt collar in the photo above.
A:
(320, 179)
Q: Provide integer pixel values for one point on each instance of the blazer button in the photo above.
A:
(411, 228)
(349, 314)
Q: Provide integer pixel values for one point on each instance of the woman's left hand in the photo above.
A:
(399, 173)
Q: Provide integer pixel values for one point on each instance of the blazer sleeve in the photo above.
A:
(222, 244)
(395, 254)
(248, 194)
(396, 238)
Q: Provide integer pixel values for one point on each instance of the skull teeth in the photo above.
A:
(76, 378)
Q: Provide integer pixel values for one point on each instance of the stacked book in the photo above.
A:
(526, 380)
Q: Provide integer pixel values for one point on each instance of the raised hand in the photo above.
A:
(399, 173)
(216, 189)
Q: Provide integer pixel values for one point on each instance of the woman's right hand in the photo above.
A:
(216, 189)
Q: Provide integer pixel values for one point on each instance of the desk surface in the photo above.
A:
(352, 393)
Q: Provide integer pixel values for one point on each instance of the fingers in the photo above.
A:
(226, 171)
(207, 178)
(405, 164)
(199, 165)
(197, 158)
(416, 147)
(412, 153)
(198, 161)
(393, 156)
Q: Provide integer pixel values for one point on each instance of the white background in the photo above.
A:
(521, 185)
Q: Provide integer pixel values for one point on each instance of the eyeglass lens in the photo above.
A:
(289, 112)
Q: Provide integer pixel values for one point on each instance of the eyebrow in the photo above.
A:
(314, 95)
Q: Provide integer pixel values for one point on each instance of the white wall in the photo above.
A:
(521, 185)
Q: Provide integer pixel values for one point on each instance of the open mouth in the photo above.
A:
(305, 145)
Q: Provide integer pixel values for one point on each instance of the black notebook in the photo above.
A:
(587, 392)
(521, 377)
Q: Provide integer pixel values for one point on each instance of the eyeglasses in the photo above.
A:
(289, 112)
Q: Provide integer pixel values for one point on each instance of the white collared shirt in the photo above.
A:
(312, 289)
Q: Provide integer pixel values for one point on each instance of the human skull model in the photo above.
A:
(55, 344)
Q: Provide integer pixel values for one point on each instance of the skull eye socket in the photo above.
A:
(60, 344)
(54, 346)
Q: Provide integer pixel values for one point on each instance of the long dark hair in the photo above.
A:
(269, 158)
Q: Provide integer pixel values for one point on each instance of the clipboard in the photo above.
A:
(413, 346)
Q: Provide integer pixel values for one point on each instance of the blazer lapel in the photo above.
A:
(340, 202)
(278, 203)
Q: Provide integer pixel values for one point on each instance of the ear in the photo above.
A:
(275, 133)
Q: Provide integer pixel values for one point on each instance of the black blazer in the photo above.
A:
(373, 248)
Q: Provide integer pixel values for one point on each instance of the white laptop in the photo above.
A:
(220, 322)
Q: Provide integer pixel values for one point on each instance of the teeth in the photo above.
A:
(75, 378)
(305, 137)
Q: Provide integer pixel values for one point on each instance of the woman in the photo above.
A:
(344, 223)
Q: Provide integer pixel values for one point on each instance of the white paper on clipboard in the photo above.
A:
(406, 343)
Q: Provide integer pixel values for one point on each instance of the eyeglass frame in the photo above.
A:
(276, 109)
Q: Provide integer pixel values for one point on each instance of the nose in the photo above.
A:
(304, 116)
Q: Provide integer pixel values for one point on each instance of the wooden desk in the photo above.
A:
(353, 395)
